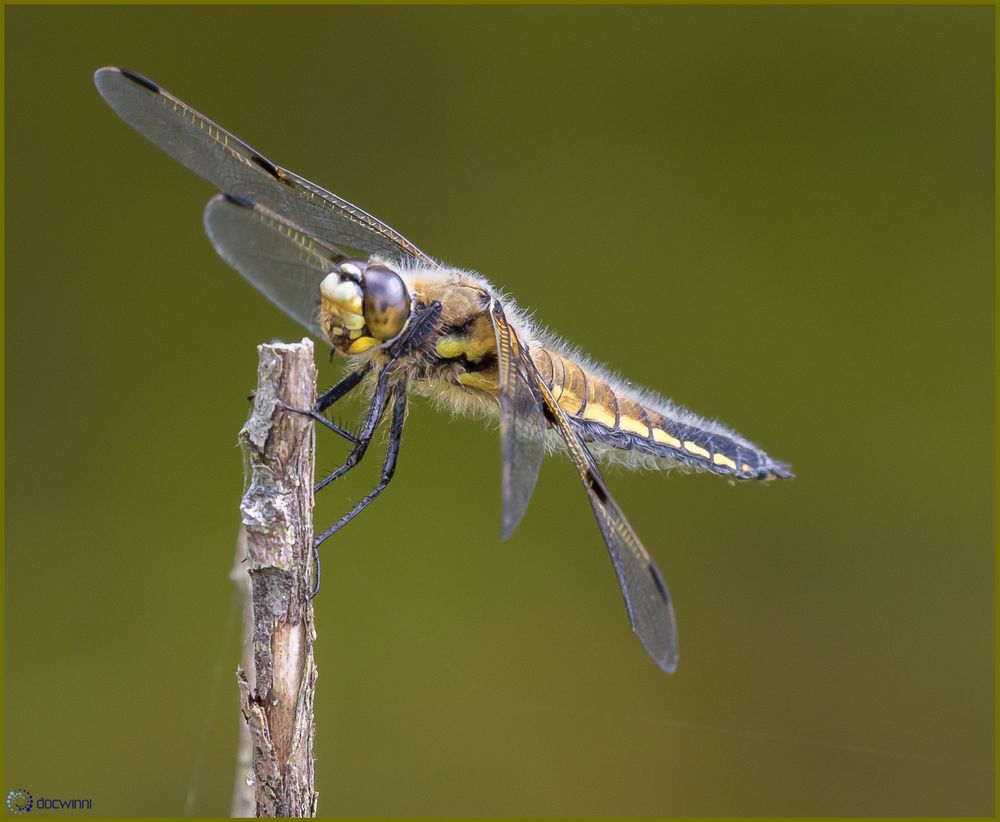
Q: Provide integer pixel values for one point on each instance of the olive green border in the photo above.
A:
(3, 430)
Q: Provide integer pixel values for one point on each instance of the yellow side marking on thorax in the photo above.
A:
(693, 448)
(722, 459)
(476, 343)
(746, 468)
(661, 436)
(450, 347)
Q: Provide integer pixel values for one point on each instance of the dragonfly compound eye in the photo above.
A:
(387, 302)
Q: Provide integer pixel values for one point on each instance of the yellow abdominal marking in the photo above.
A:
(634, 426)
(722, 459)
(598, 413)
(362, 344)
(693, 448)
(615, 410)
(659, 435)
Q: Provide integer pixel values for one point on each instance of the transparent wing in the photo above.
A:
(278, 258)
(236, 168)
(522, 423)
(646, 596)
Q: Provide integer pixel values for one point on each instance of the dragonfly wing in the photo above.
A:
(236, 168)
(646, 596)
(522, 423)
(278, 258)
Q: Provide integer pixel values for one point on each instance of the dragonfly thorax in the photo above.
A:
(363, 304)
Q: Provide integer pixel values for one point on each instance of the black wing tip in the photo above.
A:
(136, 78)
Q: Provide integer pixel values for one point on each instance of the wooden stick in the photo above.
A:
(276, 509)
(243, 805)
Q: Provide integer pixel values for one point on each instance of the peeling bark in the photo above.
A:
(276, 693)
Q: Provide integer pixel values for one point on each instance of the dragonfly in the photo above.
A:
(408, 323)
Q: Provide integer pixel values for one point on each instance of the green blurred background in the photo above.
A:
(782, 217)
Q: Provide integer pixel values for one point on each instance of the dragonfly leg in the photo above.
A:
(419, 329)
(328, 398)
(332, 426)
(331, 395)
(364, 437)
(388, 469)
(341, 389)
(417, 332)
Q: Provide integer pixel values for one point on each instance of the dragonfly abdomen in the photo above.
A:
(613, 416)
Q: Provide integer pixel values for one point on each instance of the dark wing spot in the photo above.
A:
(661, 586)
(138, 79)
(242, 202)
(597, 487)
(266, 165)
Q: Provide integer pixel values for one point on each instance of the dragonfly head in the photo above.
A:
(364, 304)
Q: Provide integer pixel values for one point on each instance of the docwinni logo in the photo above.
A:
(20, 801)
